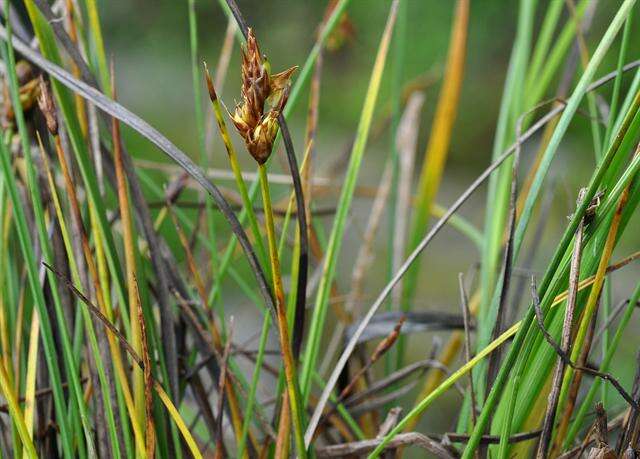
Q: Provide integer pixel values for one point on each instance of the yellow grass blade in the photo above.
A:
(32, 369)
(177, 419)
(16, 414)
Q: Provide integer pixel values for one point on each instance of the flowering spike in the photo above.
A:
(257, 124)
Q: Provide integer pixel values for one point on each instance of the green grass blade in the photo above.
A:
(316, 325)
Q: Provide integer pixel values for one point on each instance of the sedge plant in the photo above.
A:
(120, 271)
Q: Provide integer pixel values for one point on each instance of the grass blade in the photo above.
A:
(316, 325)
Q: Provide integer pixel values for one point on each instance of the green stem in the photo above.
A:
(283, 329)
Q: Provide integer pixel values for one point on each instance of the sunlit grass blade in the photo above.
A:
(316, 325)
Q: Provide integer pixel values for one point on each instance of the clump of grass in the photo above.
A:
(114, 335)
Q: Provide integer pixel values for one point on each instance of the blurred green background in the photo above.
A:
(150, 42)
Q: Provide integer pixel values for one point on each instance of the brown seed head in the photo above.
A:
(261, 141)
(257, 125)
(48, 109)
